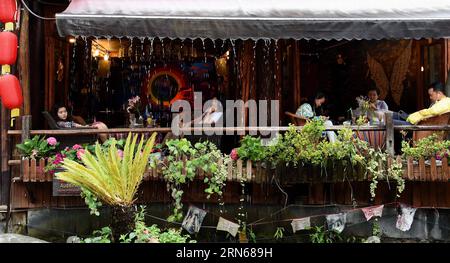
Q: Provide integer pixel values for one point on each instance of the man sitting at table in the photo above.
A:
(441, 106)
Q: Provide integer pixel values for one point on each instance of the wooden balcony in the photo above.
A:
(31, 190)
(257, 173)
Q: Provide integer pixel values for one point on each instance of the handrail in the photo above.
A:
(389, 128)
(193, 129)
(422, 127)
(231, 129)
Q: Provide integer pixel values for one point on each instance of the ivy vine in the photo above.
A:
(183, 162)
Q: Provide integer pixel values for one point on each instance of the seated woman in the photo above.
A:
(312, 109)
(378, 107)
(64, 120)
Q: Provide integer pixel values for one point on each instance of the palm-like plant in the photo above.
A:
(112, 178)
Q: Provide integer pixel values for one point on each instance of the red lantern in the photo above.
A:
(10, 91)
(7, 10)
(8, 48)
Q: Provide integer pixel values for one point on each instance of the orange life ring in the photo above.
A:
(165, 85)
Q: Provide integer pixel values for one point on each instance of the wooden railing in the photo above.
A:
(256, 172)
(414, 171)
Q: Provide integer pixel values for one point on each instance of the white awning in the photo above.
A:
(255, 19)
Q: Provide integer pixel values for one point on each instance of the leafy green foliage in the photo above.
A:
(36, 147)
(153, 234)
(427, 147)
(376, 228)
(91, 201)
(308, 147)
(183, 162)
(321, 235)
(251, 149)
(279, 233)
(100, 236)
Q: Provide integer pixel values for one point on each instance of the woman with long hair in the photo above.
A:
(65, 120)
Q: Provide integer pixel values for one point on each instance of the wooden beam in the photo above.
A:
(5, 182)
(26, 127)
(389, 133)
(24, 61)
(165, 130)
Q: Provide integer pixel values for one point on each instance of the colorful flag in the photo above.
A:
(228, 226)
(372, 211)
(300, 224)
(336, 222)
(193, 219)
(405, 220)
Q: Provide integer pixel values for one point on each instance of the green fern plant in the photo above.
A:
(112, 179)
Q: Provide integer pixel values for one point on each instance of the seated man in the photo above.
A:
(312, 109)
(434, 91)
(441, 105)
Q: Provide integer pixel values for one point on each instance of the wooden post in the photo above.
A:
(388, 117)
(26, 127)
(239, 170)
(5, 175)
(433, 169)
(445, 174)
(24, 61)
(422, 175)
(249, 171)
(4, 154)
(410, 168)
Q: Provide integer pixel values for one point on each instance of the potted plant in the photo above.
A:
(34, 153)
(113, 179)
(133, 109)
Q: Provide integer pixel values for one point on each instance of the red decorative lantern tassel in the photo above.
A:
(8, 10)
(8, 48)
(10, 91)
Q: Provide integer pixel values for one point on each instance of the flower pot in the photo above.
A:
(122, 221)
(62, 188)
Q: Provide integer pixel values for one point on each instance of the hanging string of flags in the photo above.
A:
(334, 221)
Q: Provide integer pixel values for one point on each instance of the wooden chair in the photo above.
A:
(443, 119)
(295, 119)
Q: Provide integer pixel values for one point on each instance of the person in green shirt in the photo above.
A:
(313, 109)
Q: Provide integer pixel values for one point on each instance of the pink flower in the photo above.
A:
(234, 154)
(52, 141)
(77, 147)
(80, 153)
(120, 153)
(58, 159)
